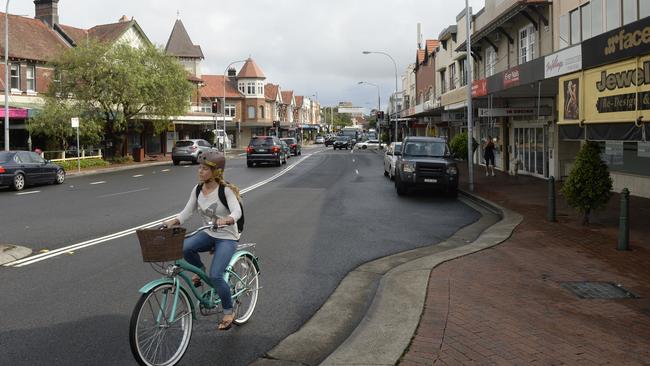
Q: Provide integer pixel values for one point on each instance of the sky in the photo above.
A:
(313, 47)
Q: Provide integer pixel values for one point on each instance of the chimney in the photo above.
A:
(47, 11)
(232, 72)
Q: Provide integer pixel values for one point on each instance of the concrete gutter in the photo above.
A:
(371, 317)
(10, 253)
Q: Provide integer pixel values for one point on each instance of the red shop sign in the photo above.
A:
(511, 77)
(14, 113)
(479, 88)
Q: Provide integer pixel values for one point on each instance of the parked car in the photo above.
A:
(390, 157)
(342, 142)
(296, 149)
(189, 150)
(21, 168)
(319, 140)
(286, 148)
(426, 162)
(368, 144)
(265, 149)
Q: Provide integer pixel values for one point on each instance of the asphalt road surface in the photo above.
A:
(328, 213)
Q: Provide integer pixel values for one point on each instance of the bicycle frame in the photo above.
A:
(173, 279)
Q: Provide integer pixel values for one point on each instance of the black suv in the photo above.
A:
(265, 149)
(295, 147)
(426, 162)
(342, 142)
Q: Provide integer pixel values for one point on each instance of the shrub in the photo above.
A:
(121, 159)
(589, 185)
(458, 145)
(69, 165)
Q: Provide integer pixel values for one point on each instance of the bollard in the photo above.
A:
(624, 223)
(550, 214)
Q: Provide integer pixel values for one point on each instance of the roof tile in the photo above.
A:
(213, 87)
(31, 39)
(251, 70)
(180, 44)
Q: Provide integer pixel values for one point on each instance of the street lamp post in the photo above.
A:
(394, 64)
(378, 106)
(7, 76)
(468, 65)
(223, 108)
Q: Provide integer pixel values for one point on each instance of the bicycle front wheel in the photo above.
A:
(160, 332)
(245, 284)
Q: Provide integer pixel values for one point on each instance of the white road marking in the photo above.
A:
(24, 193)
(353, 160)
(165, 170)
(356, 171)
(123, 193)
(56, 252)
(100, 182)
(137, 175)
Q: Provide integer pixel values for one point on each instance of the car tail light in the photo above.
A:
(276, 149)
(249, 149)
(2, 170)
(293, 145)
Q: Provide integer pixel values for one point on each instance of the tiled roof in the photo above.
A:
(194, 78)
(109, 32)
(271, 91)
(299, 99)
(251, 70)
(31, 39)
(180, 44)
(287, 96)
(213, 87)
(76, 34)
(431, 45)
(420, 56)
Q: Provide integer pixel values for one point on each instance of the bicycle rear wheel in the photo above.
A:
(245, 282)
(155, 339)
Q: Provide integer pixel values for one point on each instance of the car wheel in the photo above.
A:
(279, 162)
(18, 182)
(391, 173)
(60, 176)
(249, 164)
(385, 172)
(364, 147)
(176, 162)
(452, 192)
(400, 187)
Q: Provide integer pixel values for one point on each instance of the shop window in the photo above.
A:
(612, 14)
(596, 17)
(15, 77)
(490, 61)
(30, 75)
(630, 11)
(564, 31)
(251, 112)
(526, 44)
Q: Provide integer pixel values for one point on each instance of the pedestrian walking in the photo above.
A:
(488, 155)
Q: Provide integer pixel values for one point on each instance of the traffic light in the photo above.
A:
(215, 107)
(380, 115)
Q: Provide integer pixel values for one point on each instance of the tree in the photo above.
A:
(458, 145)
(122, 84)
(589, 185)
(54, 122)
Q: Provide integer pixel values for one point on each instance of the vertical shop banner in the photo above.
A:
(571, 94)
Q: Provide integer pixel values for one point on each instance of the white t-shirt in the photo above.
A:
(210, 208)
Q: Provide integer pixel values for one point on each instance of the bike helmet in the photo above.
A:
(212, 158)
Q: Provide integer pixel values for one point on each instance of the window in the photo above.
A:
(242, 87)
(596, 17)
(230, 110)
(261, 111)
(585, 14)
(15, 77)
(564, 31)
(644, 9)
(31, 78)
(463, 72)
(251, 111)
(452, 76)
(251, 88)
(526, 44)
(490, 61)
(630, 13)
(575, 26)
(443, 83)
(612, 14)
(260, 88)
(206, 107)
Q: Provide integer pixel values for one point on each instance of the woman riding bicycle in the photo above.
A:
(224, 241)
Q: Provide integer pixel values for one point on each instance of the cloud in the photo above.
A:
(309, 46)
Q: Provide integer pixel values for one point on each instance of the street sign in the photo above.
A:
(75, 122)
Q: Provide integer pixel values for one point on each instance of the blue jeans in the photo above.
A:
(223, 251)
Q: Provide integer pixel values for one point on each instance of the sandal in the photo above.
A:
(226, 322)
(196, 280)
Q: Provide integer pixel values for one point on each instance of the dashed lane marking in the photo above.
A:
(100, 182)
(138, 175)
(122, 193)
(24, 193)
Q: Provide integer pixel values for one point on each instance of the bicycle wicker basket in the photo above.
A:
(161, 245)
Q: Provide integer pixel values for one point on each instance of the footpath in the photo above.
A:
(546, 296)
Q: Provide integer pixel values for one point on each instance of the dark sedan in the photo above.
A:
(295, 147)
(21, 168)
(342, 142)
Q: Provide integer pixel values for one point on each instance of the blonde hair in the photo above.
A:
(217, 176)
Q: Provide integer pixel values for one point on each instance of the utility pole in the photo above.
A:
(468, 65)
(7, 86)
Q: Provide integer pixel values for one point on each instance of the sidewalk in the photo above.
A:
(507, 305)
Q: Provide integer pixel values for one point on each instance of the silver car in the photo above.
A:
(390, 156)
(189, 150)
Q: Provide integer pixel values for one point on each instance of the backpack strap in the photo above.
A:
(198, 189)
(222, 196)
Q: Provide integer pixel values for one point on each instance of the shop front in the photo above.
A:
(609, 102)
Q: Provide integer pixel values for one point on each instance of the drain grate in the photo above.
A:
(598, 290)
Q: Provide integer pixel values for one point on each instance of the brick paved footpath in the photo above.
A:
(505, 305)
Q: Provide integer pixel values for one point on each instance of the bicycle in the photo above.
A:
(161, 323)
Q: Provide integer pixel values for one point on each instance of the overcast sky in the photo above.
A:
(309, 46)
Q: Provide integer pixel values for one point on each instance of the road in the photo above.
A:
(329, 213)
